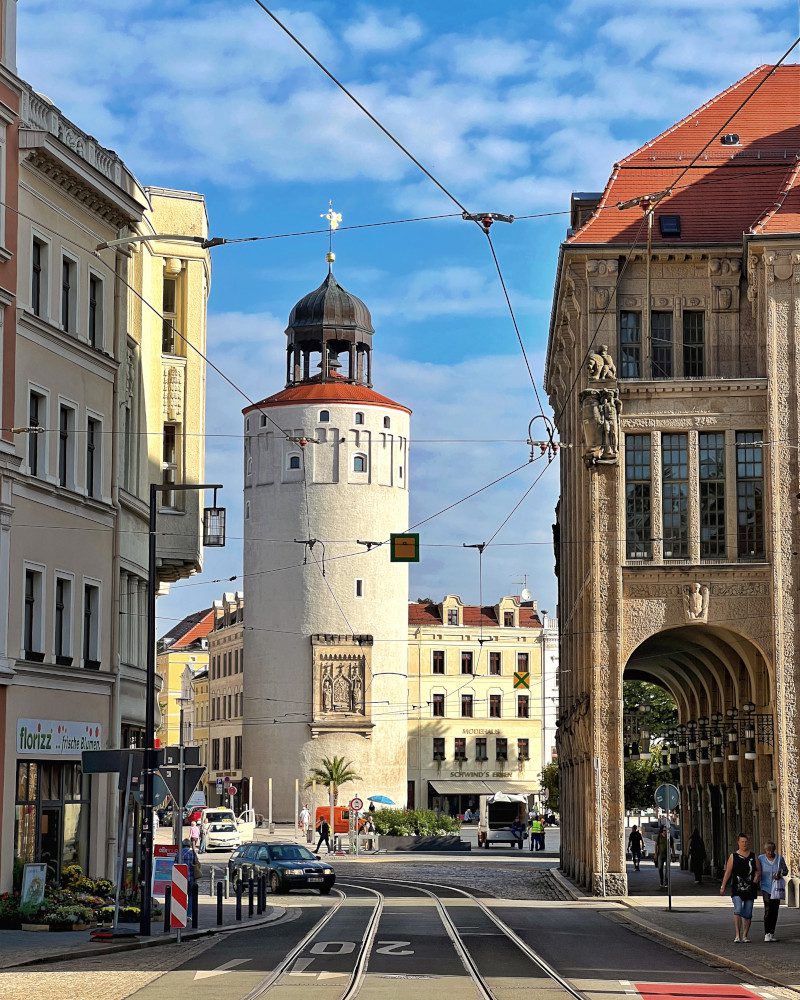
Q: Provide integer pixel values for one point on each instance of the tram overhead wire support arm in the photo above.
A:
(485, 219)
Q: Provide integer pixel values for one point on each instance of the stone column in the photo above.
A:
(657, 513)
(124, 613)
(694, 498)
(730, 495)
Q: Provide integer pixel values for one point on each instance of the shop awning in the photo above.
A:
(454, 786)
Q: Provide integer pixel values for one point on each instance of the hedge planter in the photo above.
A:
(35, 927)
(447, 842)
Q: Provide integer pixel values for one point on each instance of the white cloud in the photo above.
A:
(382, 32)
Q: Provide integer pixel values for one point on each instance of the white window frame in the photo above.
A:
(43, 449)
(443, 693)
(263, 420)
(324, 417)
(38, 622)
(69, 611)
(100, 330)
(71, 477)
(489, 693)
(516, 706)
(359, 418)
(99, 461)
(75, 284)
(44, 283)
(289, 457)
(432, 673)
(95, 637)
(361, 455)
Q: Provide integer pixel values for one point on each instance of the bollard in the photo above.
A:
(194, 888)
(263, 893)
(238, 899)
(211, 881)
(219, 904)
(259, 902)
(167, 907)
(227, 882)
(250, 888)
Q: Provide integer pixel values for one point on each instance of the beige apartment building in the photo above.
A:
(226, 699)
(195, 690)
(476, 701)
(673, 374)
(182, 653)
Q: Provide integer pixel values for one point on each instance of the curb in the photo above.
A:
(568, 886)
(278, 912)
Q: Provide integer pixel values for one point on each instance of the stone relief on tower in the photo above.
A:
(342, 668)
(600, 409)
(695, 602)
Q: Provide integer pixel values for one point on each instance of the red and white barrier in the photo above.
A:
(180, 896)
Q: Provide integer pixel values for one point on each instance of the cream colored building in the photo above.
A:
(225, 697)
(475, 717)
(195, 694)
(184, 648)
(673, 376)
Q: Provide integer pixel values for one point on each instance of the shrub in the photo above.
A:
(413, 822)
(103, 887)
(10, 916)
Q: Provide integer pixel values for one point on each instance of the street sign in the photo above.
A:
(164, 856)
(522, 679)
(231, 789)
(356, 805)
(196, 800)
(220, 786)
(105, 761)
(667, 797)
(172, 755)
(404, 548)
(180, 896)
(172, 779)
(160, 791)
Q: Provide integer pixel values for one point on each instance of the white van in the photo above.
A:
(224, 830)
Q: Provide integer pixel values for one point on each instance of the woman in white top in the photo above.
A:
(772, 867)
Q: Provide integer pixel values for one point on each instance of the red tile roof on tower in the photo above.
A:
(327, 392)
(193, 627)
(473, 616)
(752, 187)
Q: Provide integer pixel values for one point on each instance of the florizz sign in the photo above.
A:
(52, 738)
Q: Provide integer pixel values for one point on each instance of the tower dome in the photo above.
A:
(324, 324)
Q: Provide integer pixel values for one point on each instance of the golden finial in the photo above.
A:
(334, 221)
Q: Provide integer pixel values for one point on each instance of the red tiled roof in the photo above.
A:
(327, 392)
(732, 190)
(193, 627)
(473, 616)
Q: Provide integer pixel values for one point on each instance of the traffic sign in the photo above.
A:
(404, 548)
(220, 786)
(172, 755)
(522, 679)
(172, 779)
(231, 789)
(667, 797)
(180, 896)
(356, 804)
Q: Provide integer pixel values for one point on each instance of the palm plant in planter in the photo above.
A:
(332, 773)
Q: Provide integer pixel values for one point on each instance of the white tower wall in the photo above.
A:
(285, 604)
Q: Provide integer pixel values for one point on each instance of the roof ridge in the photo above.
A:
(793, 174)
(693, 114)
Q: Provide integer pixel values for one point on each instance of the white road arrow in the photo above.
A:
(221, 969)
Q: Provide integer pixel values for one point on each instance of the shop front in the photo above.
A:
(53, 798)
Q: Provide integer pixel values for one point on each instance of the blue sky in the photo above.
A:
(512, 111)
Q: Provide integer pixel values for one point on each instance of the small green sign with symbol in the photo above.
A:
(522, 679)
(404, 548)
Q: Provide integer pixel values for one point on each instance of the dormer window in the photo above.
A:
(452, 616)
(359, 418)
(294, 462)
(324, 416)
(360, 463)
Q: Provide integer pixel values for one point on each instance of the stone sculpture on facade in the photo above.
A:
(600, 409)
(695, 602)
(600, 366)
(327, 691)
(357, 689)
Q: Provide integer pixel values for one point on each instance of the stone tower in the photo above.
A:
(326, 468)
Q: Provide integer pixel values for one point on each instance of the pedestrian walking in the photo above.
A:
(304, 819)
(773, 887)
(324, 836)
(636, 846)
(662, 855)
(203, 834)
(743, 871)
(189, 858)
(194, 834)
(697, 856)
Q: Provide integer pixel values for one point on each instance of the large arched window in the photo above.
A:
(324, 416)
(360, 463)
(294, 462)
(359, 418)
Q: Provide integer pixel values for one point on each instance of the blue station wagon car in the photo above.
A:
(287, 866)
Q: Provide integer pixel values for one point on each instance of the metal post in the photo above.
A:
(149, 725)
(250, 896)
(181, 789)
(167, 907)
(270, 827)
(250, 794)
(123, 841)
(333, 824)
(212, 880)
(296, 806)
(194, 888)
(227, 883)
(238, 899)
(259, 898)
(219, 904)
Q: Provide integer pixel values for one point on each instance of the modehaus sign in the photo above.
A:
(56, 738)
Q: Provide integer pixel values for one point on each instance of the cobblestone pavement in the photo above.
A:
(518, 881)
(106, 977)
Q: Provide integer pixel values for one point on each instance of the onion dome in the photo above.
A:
(330, 306)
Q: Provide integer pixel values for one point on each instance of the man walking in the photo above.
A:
(324, 836)
(636, 846)
(304, 819)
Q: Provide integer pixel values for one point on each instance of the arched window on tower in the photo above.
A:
(294, 462)
(324, 416)
(387, 422)
(359, 419)
(360, 463)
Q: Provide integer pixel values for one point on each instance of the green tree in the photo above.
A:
(332, 774)
(550, 782)
(642, 777)
(661, 711)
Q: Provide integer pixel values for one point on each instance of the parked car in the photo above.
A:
(224, 830)
(287, 866)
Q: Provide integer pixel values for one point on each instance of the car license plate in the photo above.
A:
(315, 878)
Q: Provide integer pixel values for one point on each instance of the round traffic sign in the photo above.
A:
(356, 805)
(231, 789)
(667, 797)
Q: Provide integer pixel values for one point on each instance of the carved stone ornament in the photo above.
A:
(600, 366)
(600, 409)
(695, 602)
(342, 668)
(173, 393)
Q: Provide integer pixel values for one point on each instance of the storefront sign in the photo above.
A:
(481, 732)
(164, 857)
(480, 774)
(33, 883)
(53, 738)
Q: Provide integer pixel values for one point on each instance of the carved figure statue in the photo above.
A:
(600, 365)
(341, 692)
(695, 601)
(327, 691)
(725, 298)
(600, 409)
(358, 691)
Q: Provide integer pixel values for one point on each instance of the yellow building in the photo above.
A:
(476, 701)
(185, 647)
(197, 724)
(226, 699)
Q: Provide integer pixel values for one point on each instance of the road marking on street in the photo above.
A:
(221, 969)
(394, 948)
(299, 967)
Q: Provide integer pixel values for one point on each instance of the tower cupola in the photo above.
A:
(329, 337)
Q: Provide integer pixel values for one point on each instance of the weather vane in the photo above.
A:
(334, 220)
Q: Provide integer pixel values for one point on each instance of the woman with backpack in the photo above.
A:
(743, 871)
(773, 887)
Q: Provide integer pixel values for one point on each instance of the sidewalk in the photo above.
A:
(701, 921)
(29, 948)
